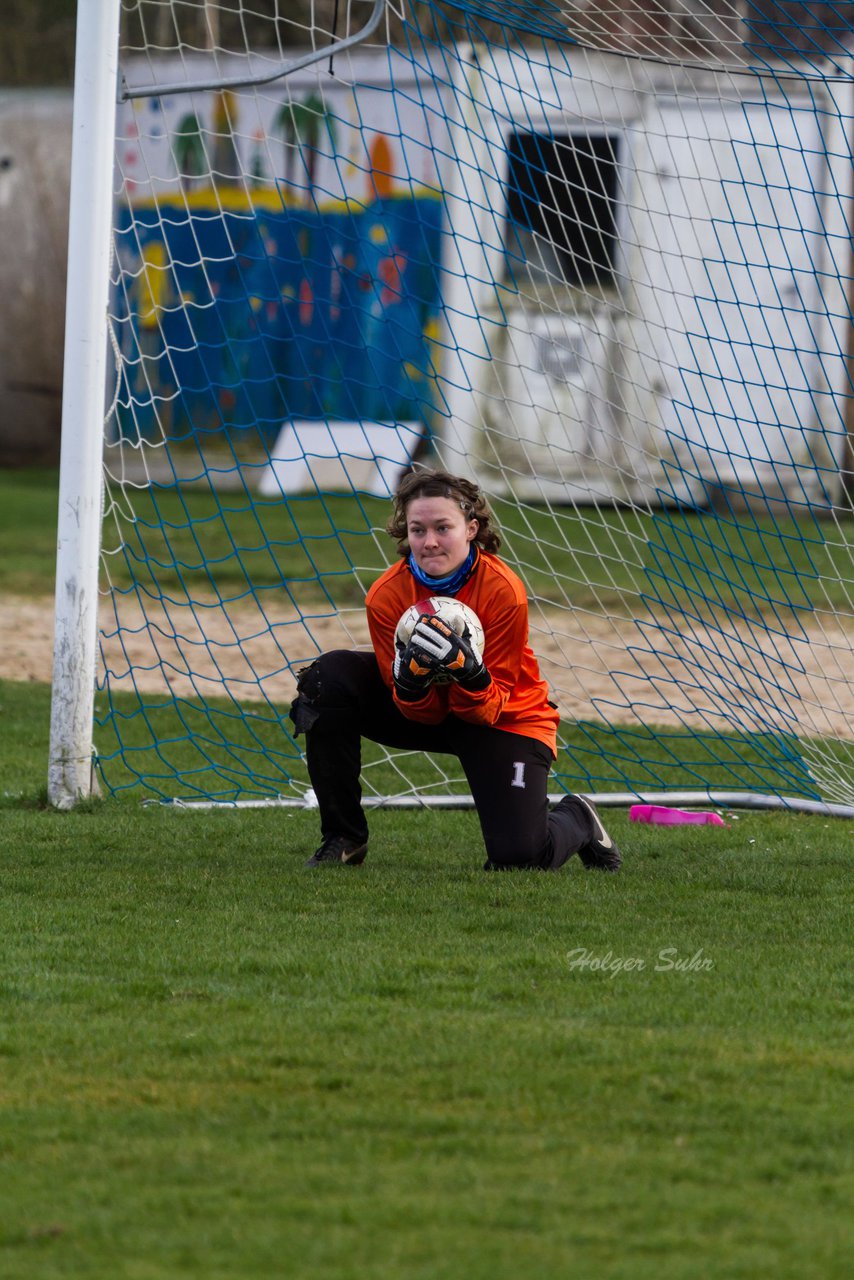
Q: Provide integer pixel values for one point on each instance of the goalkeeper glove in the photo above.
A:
(412, 673)
(434, 641)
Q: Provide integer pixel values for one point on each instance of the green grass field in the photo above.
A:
(192, 544)
(194, 540)
(217, 1064)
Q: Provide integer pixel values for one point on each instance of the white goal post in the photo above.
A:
(70, 771)
(71, 774)
(596, 257)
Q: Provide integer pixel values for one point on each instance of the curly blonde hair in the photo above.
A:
(439, 484)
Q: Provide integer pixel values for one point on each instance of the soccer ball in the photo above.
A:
(459, 617)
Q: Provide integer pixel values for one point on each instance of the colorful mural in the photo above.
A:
(274, 264)
(288, 314)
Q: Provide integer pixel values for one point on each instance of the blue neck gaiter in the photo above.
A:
(450, 585)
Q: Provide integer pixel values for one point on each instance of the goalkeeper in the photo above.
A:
(438, 694)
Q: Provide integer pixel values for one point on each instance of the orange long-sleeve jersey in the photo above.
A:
(517, 699)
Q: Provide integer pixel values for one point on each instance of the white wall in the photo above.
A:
(722, 347)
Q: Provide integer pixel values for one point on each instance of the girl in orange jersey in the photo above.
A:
(438, 694)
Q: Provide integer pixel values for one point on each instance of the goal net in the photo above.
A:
(596, 256)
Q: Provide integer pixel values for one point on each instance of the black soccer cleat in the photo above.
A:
(600, 853)
(339, 849)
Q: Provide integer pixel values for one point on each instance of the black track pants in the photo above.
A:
(342, 699)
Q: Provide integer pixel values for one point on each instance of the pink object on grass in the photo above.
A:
(663, 817)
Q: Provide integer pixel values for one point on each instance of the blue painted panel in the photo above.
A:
(240, 319)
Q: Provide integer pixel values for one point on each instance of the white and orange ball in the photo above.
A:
(460, 618)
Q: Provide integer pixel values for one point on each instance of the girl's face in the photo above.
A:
(439, 535)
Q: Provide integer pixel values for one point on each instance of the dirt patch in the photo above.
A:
(735, 676)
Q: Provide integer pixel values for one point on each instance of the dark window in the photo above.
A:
(562, 206)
